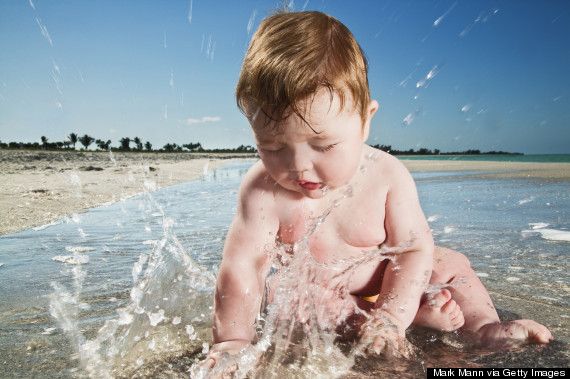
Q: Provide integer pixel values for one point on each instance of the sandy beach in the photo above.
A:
(39, 187)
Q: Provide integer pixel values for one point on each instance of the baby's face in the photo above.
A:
(310, 163)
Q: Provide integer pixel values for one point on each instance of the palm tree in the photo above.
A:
(138, 142)
(103, 145)
(170, 147)
(73, 139)
(44, 142)
(86, 140)
(125, 142)
(193, 146)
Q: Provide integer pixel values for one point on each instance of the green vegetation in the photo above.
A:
(136, 144)
(424, 151)
(124, 144)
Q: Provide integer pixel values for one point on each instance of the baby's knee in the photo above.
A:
(445, 256)
(448, 264)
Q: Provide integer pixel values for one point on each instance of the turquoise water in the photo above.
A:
(540, 158)
(127, 288)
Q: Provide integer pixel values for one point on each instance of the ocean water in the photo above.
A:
(540, 158)
(126, 290)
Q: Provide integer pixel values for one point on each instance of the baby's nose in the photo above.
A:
(300, 161)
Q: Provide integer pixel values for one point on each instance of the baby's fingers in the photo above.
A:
(379, 345)
(208, 363)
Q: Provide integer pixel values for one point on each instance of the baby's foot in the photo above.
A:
(440, 312)
(518, 331)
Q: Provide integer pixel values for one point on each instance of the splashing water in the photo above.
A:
(157, 318)
(165, 319)
(164, 326)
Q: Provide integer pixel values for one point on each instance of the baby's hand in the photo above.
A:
(222, 350)
(384, 334)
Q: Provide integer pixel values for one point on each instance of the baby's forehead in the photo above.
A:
(312, 111)
(271, 130)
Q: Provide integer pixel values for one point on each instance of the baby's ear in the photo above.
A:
(372, 108)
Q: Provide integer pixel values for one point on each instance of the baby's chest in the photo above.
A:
(345, 232)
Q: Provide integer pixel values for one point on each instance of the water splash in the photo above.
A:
(483, 17)
(157, 317)
(304, 327)
(429, 76)
(44, 30)
(190, 13)
(440, 18)
(251, 21)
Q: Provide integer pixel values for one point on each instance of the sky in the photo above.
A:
(448, 74)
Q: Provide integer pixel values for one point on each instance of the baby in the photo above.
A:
(304, 89)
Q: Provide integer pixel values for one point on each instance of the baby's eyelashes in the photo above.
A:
(271, 149)
(325, 148)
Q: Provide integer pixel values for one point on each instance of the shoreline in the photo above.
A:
(40, 187)
(551, 171)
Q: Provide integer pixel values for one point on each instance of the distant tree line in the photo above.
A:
(125, 144)
(136, 144)
(424, 151)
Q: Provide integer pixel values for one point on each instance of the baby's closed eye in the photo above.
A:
(324, 148)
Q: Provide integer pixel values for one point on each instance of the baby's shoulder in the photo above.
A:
(257, 187)
(255, 181)
(383, 166)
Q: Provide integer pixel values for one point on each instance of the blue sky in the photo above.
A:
(452, 75)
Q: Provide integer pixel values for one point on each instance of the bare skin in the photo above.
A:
(440, 312)
(481, 318)
(300, 175)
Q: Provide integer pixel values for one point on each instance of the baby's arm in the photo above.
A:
(240, 284)
(407, 232)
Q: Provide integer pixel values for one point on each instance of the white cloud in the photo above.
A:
(192, 121)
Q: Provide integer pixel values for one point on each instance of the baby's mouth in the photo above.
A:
(310, 186)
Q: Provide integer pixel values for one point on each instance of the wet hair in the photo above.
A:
(291, 57)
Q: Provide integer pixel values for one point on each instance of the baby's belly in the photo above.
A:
(357, 276)
(366, 279)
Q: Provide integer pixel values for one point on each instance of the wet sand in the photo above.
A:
(499, 170)
(39, 187)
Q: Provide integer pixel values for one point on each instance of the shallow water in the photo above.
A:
(135, 296)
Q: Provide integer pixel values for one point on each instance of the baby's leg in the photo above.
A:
(454, 269)
(481, 318)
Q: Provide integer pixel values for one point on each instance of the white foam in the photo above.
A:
(524, 201)
(538, 225)
(49, 331)
(42, 227)
(156, 318)
(77, 259)
(550, 234)
(433, 218)
(78, 249)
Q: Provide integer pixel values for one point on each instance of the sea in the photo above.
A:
(126, 290)
(540, 158)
